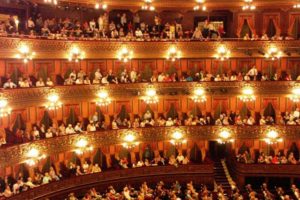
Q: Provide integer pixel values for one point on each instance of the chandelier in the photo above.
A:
(151, 96)
(295, 96)
(199, 95)
(53, 101)
(297, 5)
(4, 109)
(34, 156)
(99, 4)
(225, 137)
(25, 53)
(272, 137)
(273, 53)
(173, 54)
(248, 5)
(129, 139)
(82, 147)
(54, 2)
(222, 53)
(178, 137)
(148, 5)
(200, 5)
(103, 98)
(247, 94)
(76, 54)
(125, 55)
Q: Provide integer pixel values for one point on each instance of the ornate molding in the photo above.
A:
(35, 96)
(107, 49)
(15, 154)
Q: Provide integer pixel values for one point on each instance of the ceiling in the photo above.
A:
(179, 4)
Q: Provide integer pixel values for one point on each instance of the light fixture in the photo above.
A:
(225, 136)
(272, 137)
(248, 5)
(297, 5)
(76, 54)
(125, 55)
(200, 5)
(129, 139)
(99, 4)
(173, 54)
(54, 2)
(247, 94)
(5, 110)
(199, 94)
(148, 5)
(222, 53)
(295, 96)
(82, 146)
(273, 53)
(53, 101)
(33, 156)
(151, 96)
(178, 137)
(103, 98)
(25, 54)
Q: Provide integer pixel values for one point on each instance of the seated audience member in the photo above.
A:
(70, 129)
(9, 84)
(49, 82)
(40, 83)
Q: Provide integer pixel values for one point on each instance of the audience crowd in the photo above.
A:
(279, 158)
(10, 186)
(97, 77)
(121, 26)
(96, 123)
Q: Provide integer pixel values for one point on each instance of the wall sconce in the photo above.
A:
(100, 4)
(178, 137)
(25, 54)
(248, 5)
(199, 94)
(82, 146)
(148, 5)
(53, 101)
(295, 96)
(222, 53)
(34, 156)
(125, 55)
(54, 2)
(200, 5)
(173, 54)
(76, 54)
(247, 94)
(129, 139)
(5, 110)
(103, 98)
(151, 96)
(225, 136)
(272, 137)
(273, 53)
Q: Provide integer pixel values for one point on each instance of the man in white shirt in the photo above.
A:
(40, 83)
(9, 84)
(98, 74)
(138, 33)
(296, 114)
(70, 129)
(252, 73)
(133, 75)
(169, 122)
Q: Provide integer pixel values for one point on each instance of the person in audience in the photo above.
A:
(49, 83)
(9, 84)
(70, 129)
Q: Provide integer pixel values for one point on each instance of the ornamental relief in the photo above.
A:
(16, 154)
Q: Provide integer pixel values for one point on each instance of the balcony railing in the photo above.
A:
(15, 154)
(57, 49)
(34, 96)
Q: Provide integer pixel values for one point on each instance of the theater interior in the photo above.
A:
(149, 99)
